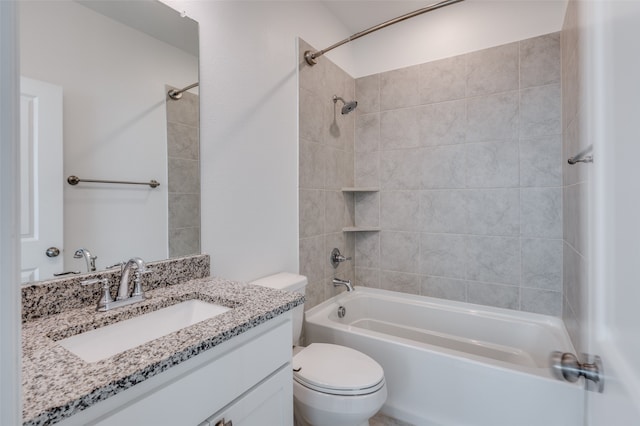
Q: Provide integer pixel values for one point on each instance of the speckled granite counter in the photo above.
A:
(57, 384)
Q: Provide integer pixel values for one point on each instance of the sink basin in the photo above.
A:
(112, 339)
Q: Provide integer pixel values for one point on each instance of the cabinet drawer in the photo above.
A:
(269, 403)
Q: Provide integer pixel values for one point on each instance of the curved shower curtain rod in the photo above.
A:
(310, 56)
(177, 94)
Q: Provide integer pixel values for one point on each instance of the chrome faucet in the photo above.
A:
(86, 254)
(337, 282)
(123, 298)
(123, 289)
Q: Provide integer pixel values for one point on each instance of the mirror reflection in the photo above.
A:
(94, 104)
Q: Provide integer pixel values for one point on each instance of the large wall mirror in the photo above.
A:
(94, 104)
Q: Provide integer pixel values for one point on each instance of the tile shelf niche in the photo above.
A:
(361, 228)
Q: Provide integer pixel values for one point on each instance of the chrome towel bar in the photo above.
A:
(74, 180)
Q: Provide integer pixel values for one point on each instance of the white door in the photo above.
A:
(614, 293)
(41, 179)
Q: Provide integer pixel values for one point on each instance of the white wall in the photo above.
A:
(249, 136)
(453, 30)
(113, 80)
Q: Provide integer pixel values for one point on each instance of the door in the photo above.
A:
(614, 294)
(41, 179)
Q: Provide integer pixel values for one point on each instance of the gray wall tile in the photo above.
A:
(444, 288)
(400, 169)
(312, 206)
(493, 117)
(339, 211)
(399, 251)
(443, 255)
(368, 277)
(541, 161)
(442, 166)
(492, 164)
(313, 164)
(184, 210)
(500, 296)
(443, 80)
(311, 110)
(540, 111)
(399, 210)
(540, 60)
(443, 211)
(493, 259)
(492, 70)
(312, 258)
(542, 264)
(368, 250)
(400, 128)
(400, 281)
(184, 175)
(444, 123)
(367, 138)
(368, 94)
(367, 209)
(399, 88)
(184, 241)
(541, 212)
(541, 301)
(182, 141)
(339, 173)
(367, 169)
(493, 212)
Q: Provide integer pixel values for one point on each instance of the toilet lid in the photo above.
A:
(337, 370)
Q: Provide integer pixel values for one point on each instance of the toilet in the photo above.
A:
(333, 385)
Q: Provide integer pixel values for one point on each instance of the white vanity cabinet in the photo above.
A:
(246, 380)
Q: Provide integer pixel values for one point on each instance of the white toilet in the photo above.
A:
(332, 385)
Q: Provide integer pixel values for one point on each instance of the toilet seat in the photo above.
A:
(337, 370)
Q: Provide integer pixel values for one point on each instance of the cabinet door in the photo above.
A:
(269, 403)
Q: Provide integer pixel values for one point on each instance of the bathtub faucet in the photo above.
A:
(347, 283)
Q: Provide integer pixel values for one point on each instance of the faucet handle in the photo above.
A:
(337, 258)
(105, 298)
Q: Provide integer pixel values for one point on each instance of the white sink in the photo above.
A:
(112, 339)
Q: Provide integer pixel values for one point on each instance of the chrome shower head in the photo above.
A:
(348, 106)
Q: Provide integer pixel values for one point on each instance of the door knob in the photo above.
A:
(565, 366)
(52, 252)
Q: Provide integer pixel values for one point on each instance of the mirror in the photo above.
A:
(95, 79)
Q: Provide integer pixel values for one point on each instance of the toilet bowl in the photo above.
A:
(332, 385)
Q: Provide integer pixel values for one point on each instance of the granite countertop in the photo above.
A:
(56, 383)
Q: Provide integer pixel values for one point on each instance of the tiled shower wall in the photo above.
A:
(183, 150)
(466, 152)
(326, 166)
(576, 179)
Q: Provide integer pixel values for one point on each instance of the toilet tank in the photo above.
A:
(288, 282)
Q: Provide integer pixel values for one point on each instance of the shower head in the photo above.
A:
(348, 106)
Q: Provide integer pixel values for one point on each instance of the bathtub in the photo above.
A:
(452, 363)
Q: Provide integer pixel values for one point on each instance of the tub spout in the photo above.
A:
(337, 282)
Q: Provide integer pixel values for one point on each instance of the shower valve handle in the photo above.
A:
(337, 258)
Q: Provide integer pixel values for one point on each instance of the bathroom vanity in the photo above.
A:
(235, 366)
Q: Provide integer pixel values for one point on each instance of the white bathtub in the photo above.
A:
(451, 363)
